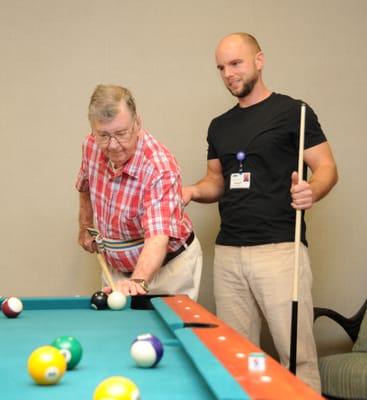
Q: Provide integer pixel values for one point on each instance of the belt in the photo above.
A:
(171, 256)
(113, 244)
(121, 245)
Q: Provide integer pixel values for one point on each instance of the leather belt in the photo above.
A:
(171, 256)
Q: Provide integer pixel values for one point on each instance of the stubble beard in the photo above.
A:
(246, 89)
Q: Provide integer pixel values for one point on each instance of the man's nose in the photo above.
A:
(113, 143)
(226, 72)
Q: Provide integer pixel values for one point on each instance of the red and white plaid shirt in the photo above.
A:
(141, 200)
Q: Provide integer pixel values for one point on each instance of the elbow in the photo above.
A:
(335, 177)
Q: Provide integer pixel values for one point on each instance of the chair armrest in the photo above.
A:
(350, 325)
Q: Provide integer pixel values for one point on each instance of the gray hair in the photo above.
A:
(105, 101)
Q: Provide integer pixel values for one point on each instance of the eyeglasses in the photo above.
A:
(122, 136)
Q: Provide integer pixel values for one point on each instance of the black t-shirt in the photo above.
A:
(268, 134)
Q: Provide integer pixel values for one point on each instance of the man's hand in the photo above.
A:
(302, 196)
(128, 287)
(187, 194)
(87, 241)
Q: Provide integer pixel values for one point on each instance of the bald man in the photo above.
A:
(251, 172)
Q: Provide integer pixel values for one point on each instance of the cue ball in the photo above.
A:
(70, 348)
(12, 307)
(98, 301)
(116, 300)
(116, 388)
(146, 350)
(46, 365)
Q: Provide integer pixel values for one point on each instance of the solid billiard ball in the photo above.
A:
(116, 300)
(12, 307)
(116, 388)
(98, 301)
(146, 350)
(46, 365)
(70, 348)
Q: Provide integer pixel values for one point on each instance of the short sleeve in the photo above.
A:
(163, 210)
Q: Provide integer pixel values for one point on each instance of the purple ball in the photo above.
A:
(146, 350)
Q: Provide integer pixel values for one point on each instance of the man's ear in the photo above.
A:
(259, 60)
(138, 122)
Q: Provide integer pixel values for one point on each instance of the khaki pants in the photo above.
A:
(252, 280)
(179, 276)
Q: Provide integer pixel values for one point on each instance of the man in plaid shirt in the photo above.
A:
(130, 192)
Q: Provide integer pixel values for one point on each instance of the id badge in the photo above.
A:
(240, 180)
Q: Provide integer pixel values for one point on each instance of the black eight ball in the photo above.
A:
(98, 301)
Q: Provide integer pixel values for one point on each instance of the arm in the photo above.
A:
(86, 221)
(210, 188)
(163, 213)
(324, 176)
(150, 260)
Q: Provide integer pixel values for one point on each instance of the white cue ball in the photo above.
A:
(116, 301)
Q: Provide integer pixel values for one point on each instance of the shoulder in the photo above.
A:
(226, 115)
(291, 104)
(89, 145)
(223, 120)
(157, 154)
(283, 102)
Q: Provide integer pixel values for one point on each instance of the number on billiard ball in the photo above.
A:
(70, 348)
(12, 307)
(146, 350)
(98, 301)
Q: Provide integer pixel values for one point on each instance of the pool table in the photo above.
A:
(203, 357)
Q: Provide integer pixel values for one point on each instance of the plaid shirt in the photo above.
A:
(141, 200)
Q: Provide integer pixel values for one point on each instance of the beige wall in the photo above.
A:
(53, 53)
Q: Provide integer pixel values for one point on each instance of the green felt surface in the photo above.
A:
(106, 337)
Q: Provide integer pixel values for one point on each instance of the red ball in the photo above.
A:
(11, 307)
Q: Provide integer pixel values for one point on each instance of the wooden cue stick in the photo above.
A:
(101, 259)
(105, 271)
(297, 240)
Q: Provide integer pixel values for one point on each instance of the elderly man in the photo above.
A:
(252, 159)
(130, 191)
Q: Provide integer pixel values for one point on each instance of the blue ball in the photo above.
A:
(146, 350)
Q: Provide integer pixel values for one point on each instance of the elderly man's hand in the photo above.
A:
(128, 287)
(87, 241)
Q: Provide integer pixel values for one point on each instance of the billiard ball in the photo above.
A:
(12, 307)
(146, 350)
(70, 348)
(46, 365)
(116, 388)
(98, 301)
(116, 300)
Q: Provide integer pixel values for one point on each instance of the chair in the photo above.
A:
(344, 376)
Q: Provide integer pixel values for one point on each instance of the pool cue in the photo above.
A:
(102, 262)
(297, 240)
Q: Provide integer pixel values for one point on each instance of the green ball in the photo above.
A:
(70, 348)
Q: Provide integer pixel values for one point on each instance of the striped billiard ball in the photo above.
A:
(12, 307)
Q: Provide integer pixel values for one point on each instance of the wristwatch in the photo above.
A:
(142, 282)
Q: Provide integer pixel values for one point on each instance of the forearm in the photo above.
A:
(85, 210)
(151, 258)
(323, 180)
(86, 221)
(207, 190)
